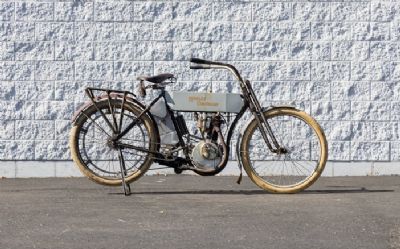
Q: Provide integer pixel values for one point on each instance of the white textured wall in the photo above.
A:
(338, 60)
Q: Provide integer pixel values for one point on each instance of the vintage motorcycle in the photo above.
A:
(115, 138)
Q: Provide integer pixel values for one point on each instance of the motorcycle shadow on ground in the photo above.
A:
(361, 190)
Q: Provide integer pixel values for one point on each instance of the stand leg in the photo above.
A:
(126, 186)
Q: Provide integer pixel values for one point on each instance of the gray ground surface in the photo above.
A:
(199, 212)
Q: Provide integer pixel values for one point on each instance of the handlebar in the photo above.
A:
(201, 61)
(204, 64)
(200, 67)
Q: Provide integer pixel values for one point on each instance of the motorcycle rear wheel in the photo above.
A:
(90, 142)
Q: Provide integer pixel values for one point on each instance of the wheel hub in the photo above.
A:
(280, 151)
(112, 144)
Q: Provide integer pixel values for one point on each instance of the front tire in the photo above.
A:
(289, 172)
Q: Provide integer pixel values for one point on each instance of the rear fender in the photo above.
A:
(120, 96)
(88, 103)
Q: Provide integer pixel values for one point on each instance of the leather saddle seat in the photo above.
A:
(158, 79)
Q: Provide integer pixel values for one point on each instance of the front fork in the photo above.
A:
(263, 125)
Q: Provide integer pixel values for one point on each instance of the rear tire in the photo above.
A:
(90, 148)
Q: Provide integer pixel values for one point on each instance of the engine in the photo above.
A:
(208, 153)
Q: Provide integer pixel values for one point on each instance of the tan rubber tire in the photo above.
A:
(74, 143)
(275, 188)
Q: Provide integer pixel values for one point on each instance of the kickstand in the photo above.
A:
(125, 185)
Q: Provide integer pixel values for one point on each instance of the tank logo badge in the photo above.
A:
(202, 101)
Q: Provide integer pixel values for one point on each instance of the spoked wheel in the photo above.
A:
(98, 156)
(298, 164)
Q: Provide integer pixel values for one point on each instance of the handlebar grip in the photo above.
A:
(200, 67)
(200, 61)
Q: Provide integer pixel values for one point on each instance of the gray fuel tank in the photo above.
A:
(206, 102)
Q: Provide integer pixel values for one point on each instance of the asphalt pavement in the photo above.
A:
(178, 211)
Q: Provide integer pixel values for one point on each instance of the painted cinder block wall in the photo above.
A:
(338, 60)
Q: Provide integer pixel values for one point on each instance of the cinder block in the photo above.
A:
(360, 130)
(383, 11)
(306, 11)
(228, 51)
(99, 31)
(172, 31)
(382, 131)
(62, 129)
(52, 150)
(53, 110)
(94, 70)
(271, 11)
(339, 131)
(133, 31)
(6, 31)
(199, 11)
(23, 31)
(7, 131)
(74, 51)
(7, 51)
(368, 110)
(34, 130)
(184, 50)
(350, 11)
(7, 90)
(212, 31)
(339, 151)
(271, 50)
(232, 11)
(395, 151)
(70, 90)
(371, 31)
(181, 69)
(14, 70)
(6, 11)
(345, 50)
(152, 11)
(34, 51)
(290, 31)
(34, 11)
(334, 110)
(17, 150)
(251, 31)
(71, 11)
(131, 70)
(350, 90)
(305, 51)
(113, 11)
(54, 70)
(272, 91)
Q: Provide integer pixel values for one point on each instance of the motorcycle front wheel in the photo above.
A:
(300, 163)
